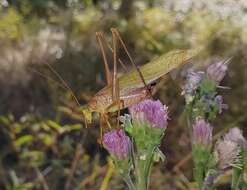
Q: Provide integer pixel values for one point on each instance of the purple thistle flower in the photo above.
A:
(227, 154)
(219, 102)
(202, 133)
(117, 143)
(236, 135)
(217, 71)
(150, 112)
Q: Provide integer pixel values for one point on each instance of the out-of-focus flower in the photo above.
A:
(217, 71)
(117, 143)
(192, 82)
(219, 102)
(236, 135)
(227, 154)
(202, 133)
(150, 112)
(210, 177)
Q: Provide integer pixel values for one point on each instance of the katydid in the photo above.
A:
(134, 86)
(130, 88)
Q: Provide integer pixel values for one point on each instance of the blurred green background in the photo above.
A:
(41, 147)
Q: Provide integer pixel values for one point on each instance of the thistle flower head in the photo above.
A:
(117, 143)
(227, 153)
(150, 112)
(217, 71)
(236, 135)
(202, 133)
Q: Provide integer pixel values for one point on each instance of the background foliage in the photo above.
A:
(43, 148)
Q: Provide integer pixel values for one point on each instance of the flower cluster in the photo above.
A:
(137, 142)
(135, 145)
(200, 91)
(202, 105)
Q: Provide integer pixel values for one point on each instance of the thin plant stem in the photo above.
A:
(108, 176)
(148, 165)
(129, 182)
(141, 182)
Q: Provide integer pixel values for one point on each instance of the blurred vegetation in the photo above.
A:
(43, 148)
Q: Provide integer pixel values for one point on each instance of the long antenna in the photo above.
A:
(64, 83)
(47, 77)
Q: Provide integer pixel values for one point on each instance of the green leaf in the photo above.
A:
(54, 125)
(23, 140)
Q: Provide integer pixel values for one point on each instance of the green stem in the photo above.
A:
(236, 175)
(143, 170)
(129, 182)
(141, 178)
(148, 166)
(198, 175)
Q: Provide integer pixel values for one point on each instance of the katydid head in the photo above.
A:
(87, 114)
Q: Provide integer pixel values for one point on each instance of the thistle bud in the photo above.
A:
(217, 71)
(150, 112)
(117, 143)
(202, 133)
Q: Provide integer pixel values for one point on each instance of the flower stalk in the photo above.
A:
(202, 106)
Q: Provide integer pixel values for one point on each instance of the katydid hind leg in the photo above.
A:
(111, 49)
(115, 86)
(99, 37)
(115, 31)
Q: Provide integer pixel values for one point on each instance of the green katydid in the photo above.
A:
(133, 86)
